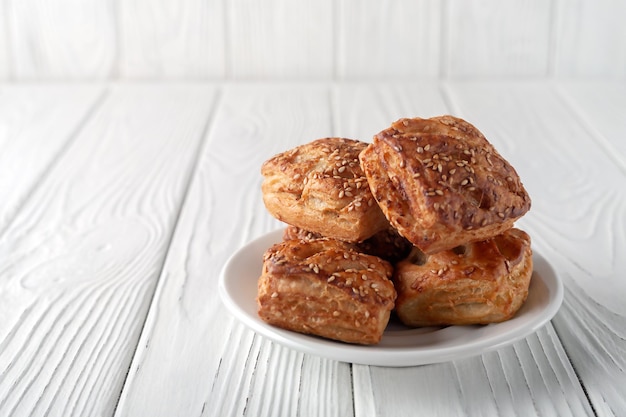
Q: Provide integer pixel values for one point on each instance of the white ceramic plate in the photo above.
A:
(400, 346)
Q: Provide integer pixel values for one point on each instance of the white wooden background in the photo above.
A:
(310, 40)
(131, 134)
(121, 203)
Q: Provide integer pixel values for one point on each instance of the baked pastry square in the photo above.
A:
(441, 184)
(477, 283)
(325, 288)
(320, 187)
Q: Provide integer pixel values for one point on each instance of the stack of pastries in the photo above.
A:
(420, 222)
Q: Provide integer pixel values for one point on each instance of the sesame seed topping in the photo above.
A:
(274, 295)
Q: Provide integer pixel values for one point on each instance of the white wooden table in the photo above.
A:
(120, 203)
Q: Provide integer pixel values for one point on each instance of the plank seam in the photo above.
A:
(54, 161)
(352, 389)
(200, 149)
(573, 365)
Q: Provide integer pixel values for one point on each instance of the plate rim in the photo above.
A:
(377, 355)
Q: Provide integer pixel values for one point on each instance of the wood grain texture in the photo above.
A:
(600, 107)
(41, 118)
(85, 250)
(280, 39)
(491, 38)
(534, 377)
(577, 220)
(399, 39)
(171, 39)
(589, 38)
(214, 365)
(61, 39)
(363, 110)
(530, 378)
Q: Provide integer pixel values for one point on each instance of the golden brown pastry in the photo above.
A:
(320, 187)
(440, 183)
(477, 283)
(386, 244)
(325, 288)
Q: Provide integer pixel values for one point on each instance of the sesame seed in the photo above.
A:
(335, 313)
(439, 192)
(274, 294)
(331, 278)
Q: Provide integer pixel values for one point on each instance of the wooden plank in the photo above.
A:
(530, 378)
(62, 39)
(5, 55)
(502, 382)
(600, 107)
(171, 39)
(494, 38)
(190, 341)
(85, 251)
(577, 220)
(280, 39)
(362, 110)
(41, 118)
(590, 39)
(399, 39)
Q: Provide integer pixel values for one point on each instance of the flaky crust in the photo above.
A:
(320, 187)
(440, 183)
(325, 288)
(477, 283)
(386, 244)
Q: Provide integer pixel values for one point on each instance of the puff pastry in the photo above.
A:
(324, 287)
(386, 244)
(320, 187)
(477, 283)
(441, 184)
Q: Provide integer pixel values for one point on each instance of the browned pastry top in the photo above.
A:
(320, 187)
(476, 283)
(364, 277)
(440, 182)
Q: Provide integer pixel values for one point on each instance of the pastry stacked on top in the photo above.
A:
(430, 199)
(325, 278)
(445, 188)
